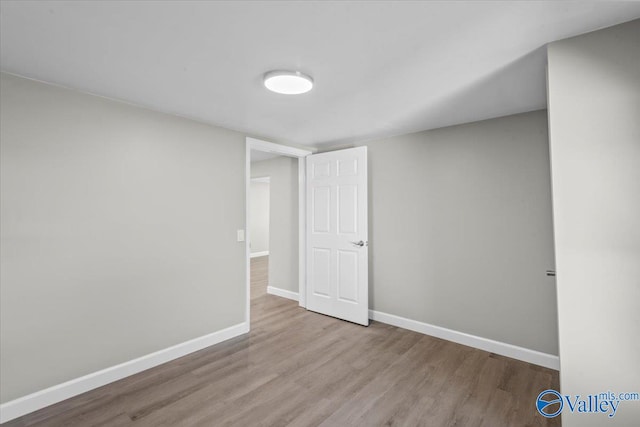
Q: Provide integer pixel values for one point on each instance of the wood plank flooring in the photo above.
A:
(298, 368)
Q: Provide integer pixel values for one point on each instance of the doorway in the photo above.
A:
(294, 288)
(260, 230)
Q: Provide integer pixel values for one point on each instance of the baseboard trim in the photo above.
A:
(283, 293)
(259, 254)
(43, 398)
(504, 349)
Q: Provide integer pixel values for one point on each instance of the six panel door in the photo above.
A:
(337, 234)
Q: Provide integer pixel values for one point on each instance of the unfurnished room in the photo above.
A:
(319, 213)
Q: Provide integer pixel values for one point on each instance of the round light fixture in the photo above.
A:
(288, 82)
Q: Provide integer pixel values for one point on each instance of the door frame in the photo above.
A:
(300, 154)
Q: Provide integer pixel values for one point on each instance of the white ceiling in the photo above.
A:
(381, 68)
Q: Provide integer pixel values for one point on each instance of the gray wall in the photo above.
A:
(594, 111)
(259, 216)
(283, 220)
(118, 233)
(461, 229)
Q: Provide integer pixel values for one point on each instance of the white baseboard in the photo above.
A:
(259, 254)
(43, 398)
(504, 349)
(486, 344)
(282, 293)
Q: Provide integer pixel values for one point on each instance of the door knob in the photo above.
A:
(551, 273)
(360, 243)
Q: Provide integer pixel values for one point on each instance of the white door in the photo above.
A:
(337, 234)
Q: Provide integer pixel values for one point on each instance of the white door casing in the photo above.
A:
(337, 234)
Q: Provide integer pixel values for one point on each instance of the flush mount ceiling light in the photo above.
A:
(288, 82)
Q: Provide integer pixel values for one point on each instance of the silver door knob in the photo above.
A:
(360, 243)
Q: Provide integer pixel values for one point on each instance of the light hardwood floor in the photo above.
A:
(298, 368)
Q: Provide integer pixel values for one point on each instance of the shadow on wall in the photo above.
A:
(522, 73)
(458, 106)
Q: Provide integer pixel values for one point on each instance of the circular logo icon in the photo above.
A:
(546, 401)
